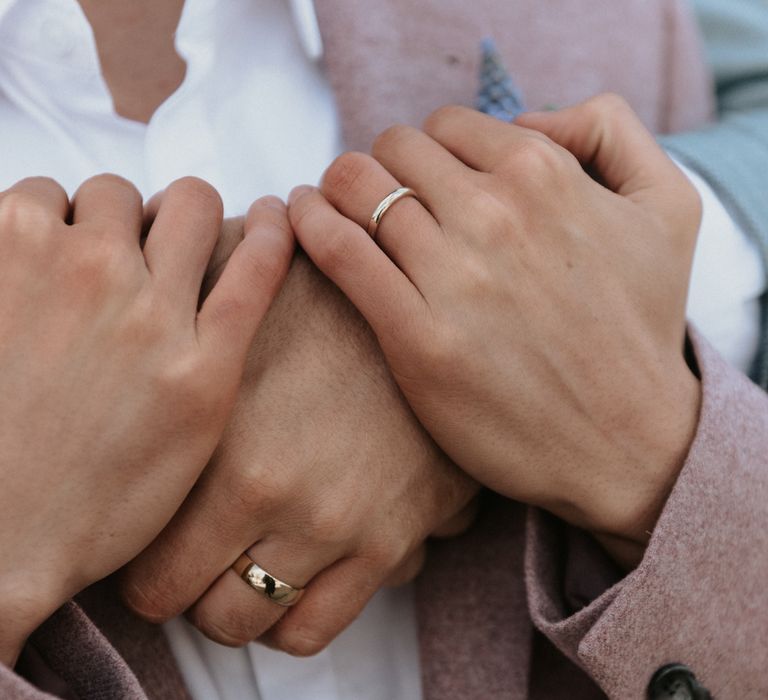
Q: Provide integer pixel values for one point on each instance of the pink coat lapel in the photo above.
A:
(474, 628)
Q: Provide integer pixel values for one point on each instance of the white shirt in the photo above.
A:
(253, 116)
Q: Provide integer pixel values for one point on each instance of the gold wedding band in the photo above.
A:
(270, 587)
(386, 203)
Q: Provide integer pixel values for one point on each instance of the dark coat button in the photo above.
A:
(676, 682)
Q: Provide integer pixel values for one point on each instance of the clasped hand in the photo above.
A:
(115, 386)
(532, 317)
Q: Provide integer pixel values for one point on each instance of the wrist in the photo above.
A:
(624, 513)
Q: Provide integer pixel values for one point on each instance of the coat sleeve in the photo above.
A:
(732, 153)
(69, 658)
(700, 595)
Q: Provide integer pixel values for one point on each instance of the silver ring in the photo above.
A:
(386, 203)
(270, 587)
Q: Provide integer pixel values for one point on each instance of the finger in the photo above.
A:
(254, 273)
(416, 160)
(232, 233)
(233, 613)
(478, 140)
(344, 252)
(44, 193)
(205, 537)
(234, 503)
(112, 203)
(151, 207)
(181, 238)
(356, 183)
(607, 137)
(330, 604)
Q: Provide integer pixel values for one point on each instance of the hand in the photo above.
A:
(533, 318)
(115, 387)
(323, 475)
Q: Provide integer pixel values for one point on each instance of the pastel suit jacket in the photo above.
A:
(523, 606)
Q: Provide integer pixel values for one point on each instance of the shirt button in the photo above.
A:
(676, 682)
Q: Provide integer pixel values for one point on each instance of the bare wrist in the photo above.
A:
(627, 512)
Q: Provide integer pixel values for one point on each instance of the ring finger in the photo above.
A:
(356, 184)
(234, 613)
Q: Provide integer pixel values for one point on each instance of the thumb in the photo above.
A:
(610, 142)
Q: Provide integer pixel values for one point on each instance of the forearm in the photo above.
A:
(700, 586)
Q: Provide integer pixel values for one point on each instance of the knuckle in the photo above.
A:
(330, 526)
(611, 102)
(607, 105)
(110, 181)
(145, 323)
(442, 117)
(479, 281)
(386, 554)
(345, 173)
(439, 356)
(495, 218)
(101, 263)
(391, 138)
(20, 212)
(536, 159)
(301, 642)
(43, 185)
(227, 626)
(259, 489)
(197, 192)
(304, 208)
(183, 380)
(150, 599)
(335, 251)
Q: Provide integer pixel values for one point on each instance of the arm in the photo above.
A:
(577, 281)
(732, 153)
(704, 564)
(698, 597)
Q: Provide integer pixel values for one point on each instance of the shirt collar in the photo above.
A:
(305, 19)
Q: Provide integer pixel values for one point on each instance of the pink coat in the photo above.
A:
(538, 610)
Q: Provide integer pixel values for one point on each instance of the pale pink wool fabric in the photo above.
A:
(536, 603)
(396, 61)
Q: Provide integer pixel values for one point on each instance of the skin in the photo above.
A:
(320, 354)
(491, 296)
(116, 387)
(319, 424)
(322, 474)
(137, 52)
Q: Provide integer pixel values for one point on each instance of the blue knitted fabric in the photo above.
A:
(498, 95)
